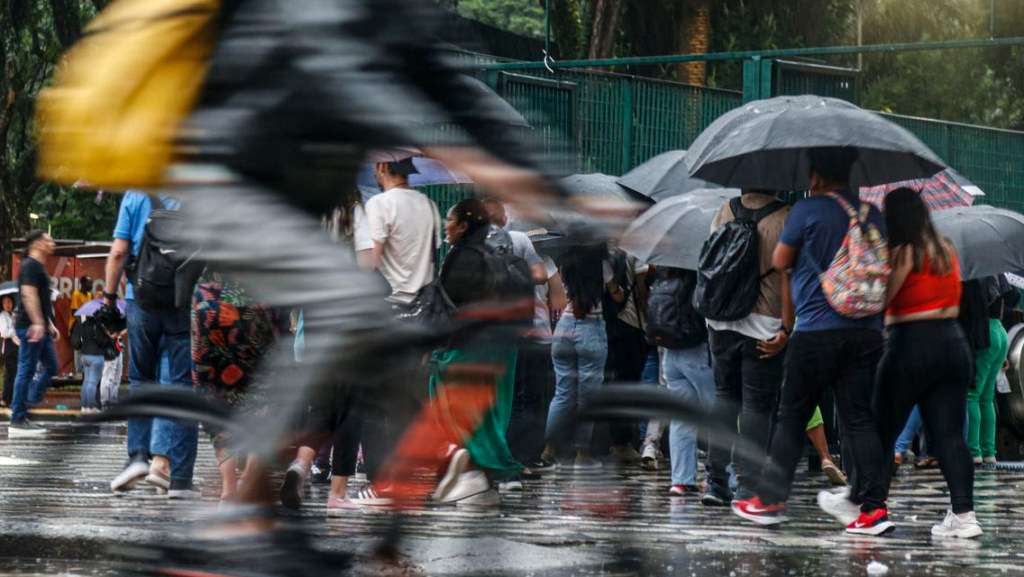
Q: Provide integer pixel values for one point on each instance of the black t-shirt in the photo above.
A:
(33, 273)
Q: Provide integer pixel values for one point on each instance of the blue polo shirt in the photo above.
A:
(816, 227)
(131, 221)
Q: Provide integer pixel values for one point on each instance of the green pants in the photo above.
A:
(816, 420)
(981, 410)
(487, 445)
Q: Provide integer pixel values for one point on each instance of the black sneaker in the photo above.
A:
(24, 428)
(183, 490)
(320, 473)
(543, 466)
(715, 496)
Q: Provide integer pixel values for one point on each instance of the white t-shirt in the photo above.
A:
(407, 223)
(523, 248)
(541, 313)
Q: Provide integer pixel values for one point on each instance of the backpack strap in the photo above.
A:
(744, 214)
(157, 202)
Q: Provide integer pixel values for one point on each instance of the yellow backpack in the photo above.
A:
(118, 98)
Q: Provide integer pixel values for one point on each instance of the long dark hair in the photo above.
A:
(910, 225)
(581, 269)
(472, 212)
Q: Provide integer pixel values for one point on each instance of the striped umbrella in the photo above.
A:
(947, 189)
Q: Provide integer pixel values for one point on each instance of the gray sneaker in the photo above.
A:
(183, 490)
(134, 471)
(24, 428)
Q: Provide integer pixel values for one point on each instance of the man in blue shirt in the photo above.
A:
(827, 350)
(170, 443)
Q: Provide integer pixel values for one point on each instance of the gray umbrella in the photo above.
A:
(604, 185)
(673, 231)
(989, 240)
(764, 144)
(663, 176)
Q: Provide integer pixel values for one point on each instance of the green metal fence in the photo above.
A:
(604, 122)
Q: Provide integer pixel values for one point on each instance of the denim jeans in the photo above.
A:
(689, 375)
(909, 432)
(650, 376)
(148, 335)
(579, 350)
(92, 371)
(31, 384)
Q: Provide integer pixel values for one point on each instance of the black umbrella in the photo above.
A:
(672, 232)
(597, 184)
(764, 144)
(11, 288)
(989, 240)
(663, 176)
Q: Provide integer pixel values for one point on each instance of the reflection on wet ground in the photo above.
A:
(58, 518)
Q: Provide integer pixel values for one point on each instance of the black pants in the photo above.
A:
(525, 432)
(336, 410)
(845, 361)
(627, 355)
(746, 387)
(10, 369)
(928, 363)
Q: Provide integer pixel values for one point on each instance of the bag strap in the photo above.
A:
(744, 214)
(157, 202)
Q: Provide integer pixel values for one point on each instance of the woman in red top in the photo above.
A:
(927, 361)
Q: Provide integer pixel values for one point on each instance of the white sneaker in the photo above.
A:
(294, 483)
(955, 527)
(649, 457)
(133, 472)
(839, 506)
(456, 467)
(468, 484)
(488, 498)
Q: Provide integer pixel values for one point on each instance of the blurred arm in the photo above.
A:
(115, 266)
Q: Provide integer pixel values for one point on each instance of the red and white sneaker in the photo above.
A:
(875, 524)
(757, 512)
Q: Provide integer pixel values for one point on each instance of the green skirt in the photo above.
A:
(487, 445)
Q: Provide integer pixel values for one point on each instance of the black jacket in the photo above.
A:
(465, 272)
(88, 337)
(299, 89)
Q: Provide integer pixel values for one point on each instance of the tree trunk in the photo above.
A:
(604, 27)
(67, 21)
(694, 38)
(565, 27)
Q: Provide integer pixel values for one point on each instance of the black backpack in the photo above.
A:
(511, 279)
(728, 283)
(163, 273)
(672, 322)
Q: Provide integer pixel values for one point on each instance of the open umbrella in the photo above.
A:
(11, 288)
(428, 172)
(947, 189)
(764, 144)
(989, 240)
(92, 307)
(663, 176)
(672, 232)
(603, 185)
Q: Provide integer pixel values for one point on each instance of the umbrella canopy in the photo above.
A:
(989, 240)
(90, 308)
(393, 154)
(11, 287)
(428, 172)
(672, 232)
(603, 185)
(947, 189)
(663, 176)
(764, 145)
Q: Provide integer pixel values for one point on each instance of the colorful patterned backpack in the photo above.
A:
(854, 284)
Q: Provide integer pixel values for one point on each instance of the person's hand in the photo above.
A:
(773, 346)
(54, 333)
(109, 301)
(36, 333)
(1006, 365)
(17, 341)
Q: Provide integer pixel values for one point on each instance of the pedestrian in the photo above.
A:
(9, 344)
(652, 431)
(113, 370)
(81, 295)
(480, 364)
(827, 350)
(747, 354)
(579, 351)
(91, 339)
(170, 443)
(33, 325)
(988, 363)
(627, 349)
(927, 361)
(231, 332)
(533, 359)
(404, 226)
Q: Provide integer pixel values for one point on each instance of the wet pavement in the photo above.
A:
(58, 517)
